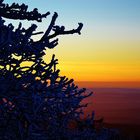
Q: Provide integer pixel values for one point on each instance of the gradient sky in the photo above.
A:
(109, 47)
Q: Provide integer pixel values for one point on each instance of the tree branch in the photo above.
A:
(60, 31)
(16, 11)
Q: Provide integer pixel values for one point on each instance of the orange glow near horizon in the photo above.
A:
(99, 61)
(111, 84)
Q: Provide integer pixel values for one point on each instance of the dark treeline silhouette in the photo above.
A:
(36, 103)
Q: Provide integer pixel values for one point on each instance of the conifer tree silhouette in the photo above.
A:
(35, 101)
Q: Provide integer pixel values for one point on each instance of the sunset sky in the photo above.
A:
(109, 47)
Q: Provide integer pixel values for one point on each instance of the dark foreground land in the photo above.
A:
(127, 131)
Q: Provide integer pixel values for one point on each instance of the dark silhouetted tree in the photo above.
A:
(35, 101)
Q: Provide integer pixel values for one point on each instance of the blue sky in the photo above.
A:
(93, 13)
(99, 9)
(110, 40)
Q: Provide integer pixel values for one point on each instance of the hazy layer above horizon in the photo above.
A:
(109, 84)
